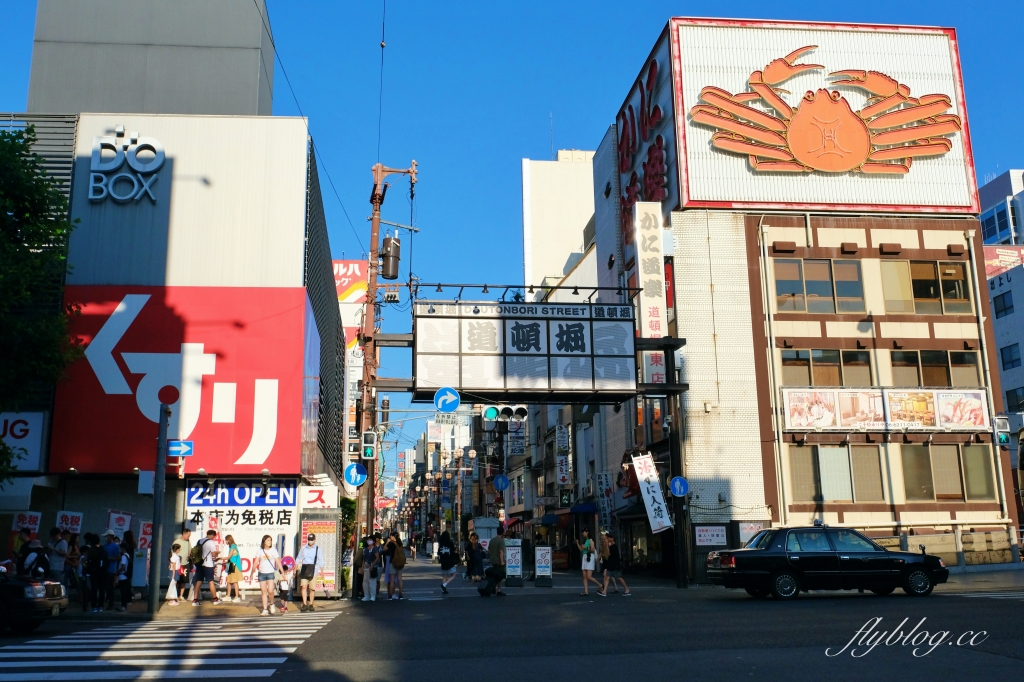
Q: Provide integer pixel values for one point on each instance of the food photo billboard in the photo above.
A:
(806, 116)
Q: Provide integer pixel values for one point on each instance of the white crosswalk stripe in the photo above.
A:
(1015, 596)
(228, 648)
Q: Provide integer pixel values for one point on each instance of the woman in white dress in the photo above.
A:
(589, 552)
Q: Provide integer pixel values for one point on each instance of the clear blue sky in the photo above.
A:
(469, 86)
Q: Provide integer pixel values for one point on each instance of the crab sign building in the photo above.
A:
(823, 260)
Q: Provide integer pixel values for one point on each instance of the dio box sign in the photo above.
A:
(228, 360)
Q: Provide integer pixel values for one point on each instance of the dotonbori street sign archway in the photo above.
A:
(526, 351)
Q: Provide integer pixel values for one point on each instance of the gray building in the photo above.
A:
(1006, 291)
(1002, 202)
(181, 57)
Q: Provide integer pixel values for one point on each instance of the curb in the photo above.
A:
(985, 568)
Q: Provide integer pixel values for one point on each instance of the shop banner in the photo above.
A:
(318, 497)
(650, 488)
(145, 534)
(604, 498)
(326, 532)
(23, 431)
(247, 510)
(514, 558)
(25, 519)
(71, 521)
(889, 409)
(543, 561)
(562, 454)
(651, 317)
(119, 522)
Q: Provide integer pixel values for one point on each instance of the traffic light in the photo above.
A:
(385, 407)
(391, 253)
(491, 414)
(369, 450)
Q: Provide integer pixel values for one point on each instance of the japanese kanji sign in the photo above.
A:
(71, 521)
(562, 454)
(650, 488)
(524, 348)
(26, 519)
(318, 497)
(604, 499)
(651, 273)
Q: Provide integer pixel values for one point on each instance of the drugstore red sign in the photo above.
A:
(227, 359)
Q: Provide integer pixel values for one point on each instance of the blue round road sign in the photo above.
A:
(500, 482)
(446, 399)
(355, 474)
(679, 486)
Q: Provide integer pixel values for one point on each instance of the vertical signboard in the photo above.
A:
(562, 454)
(514, 562)
(604, 499)
(71, 521)
(350, 282)
(542, 564)
(650, 489)
(326, 532)
(652, 320)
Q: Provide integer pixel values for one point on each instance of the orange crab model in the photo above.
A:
(823, 132)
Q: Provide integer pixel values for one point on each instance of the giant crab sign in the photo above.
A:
(823, 132)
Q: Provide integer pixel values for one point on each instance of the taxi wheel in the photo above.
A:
(918, 583)
(785, 585)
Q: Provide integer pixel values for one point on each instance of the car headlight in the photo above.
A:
(63, 591)
(942, 564)
(35, 591)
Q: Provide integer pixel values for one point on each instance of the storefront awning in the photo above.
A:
(585, 508)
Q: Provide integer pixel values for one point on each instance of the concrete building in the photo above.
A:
(838, 356)
(152, 57)
(1002, 202)
(1005, 293)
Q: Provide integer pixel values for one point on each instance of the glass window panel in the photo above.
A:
(978, 472)
(1003, 304)
(917, 473)
(956, 295)
(963, 369)
(896, 287)
(1010, 356)
(789, 285)
(825, 367)
(989, 226)
(834, 471)
(803, 470)
(808, 541)
(849, 286)
(1015, 400)
(904, 368)
(934, 368)
(867, 473)
(1001, 219)
(925, 281)
(856, 368)
(849, 541)
(946, 472)
(796, 368)
(818, 281)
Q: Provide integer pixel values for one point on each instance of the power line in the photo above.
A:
(305, 121)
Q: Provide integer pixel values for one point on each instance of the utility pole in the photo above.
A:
(156, 561)
(370, 359)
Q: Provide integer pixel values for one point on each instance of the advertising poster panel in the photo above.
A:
(911, 409)
(894, 409)
(810, 409)
(23, 431)
(119, 522)
(71, 521)
(999, 259)
(861, 409)
(326, 532)
(247, 510)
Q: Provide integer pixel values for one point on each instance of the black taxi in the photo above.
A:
(783, 562)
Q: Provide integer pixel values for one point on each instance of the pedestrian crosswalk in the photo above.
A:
(1013, 596)
(208, 648)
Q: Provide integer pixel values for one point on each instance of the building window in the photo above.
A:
(934, 368)
(825, 368)
(925, 281)
(897, 288)
(849, 286)
(945, 472)
(836, 473)
(1015, 400)
(796, 368)
(789, 285)
(1010, 356)
(905, 369)
(818, 283)
(1002, 304)
(1001, 219)
(988, 226)
(856, 368)
(956, 294)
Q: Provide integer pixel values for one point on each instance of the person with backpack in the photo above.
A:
(311, 563)
(35, 564)
(395, 568)
(113, 550)
(122, 582)
(204, 555)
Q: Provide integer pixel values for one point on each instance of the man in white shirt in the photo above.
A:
(210, 549)
(57, 551)
(309, 555)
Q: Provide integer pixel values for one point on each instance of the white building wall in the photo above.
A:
(722, 448)
(558, 201)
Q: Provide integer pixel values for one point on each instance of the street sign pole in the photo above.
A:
(156, 548)
(676, 469)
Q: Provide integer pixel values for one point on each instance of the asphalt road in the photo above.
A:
(658, 633)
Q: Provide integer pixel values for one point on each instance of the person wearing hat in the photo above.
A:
(311, 563)
(35, 565)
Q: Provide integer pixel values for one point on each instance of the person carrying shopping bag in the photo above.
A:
(174, 566)
(371, 570)
(234, 569)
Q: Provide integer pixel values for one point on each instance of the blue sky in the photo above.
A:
(469, 88)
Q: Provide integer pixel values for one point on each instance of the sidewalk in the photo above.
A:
(138, 610)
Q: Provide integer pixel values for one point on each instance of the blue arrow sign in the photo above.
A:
(500, 482)
(180, 448)
(355, 474)
(446, 400)
(679, 486)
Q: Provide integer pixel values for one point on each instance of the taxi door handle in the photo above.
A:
(845, 557)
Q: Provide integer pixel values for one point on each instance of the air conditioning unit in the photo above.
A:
(589, 491)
